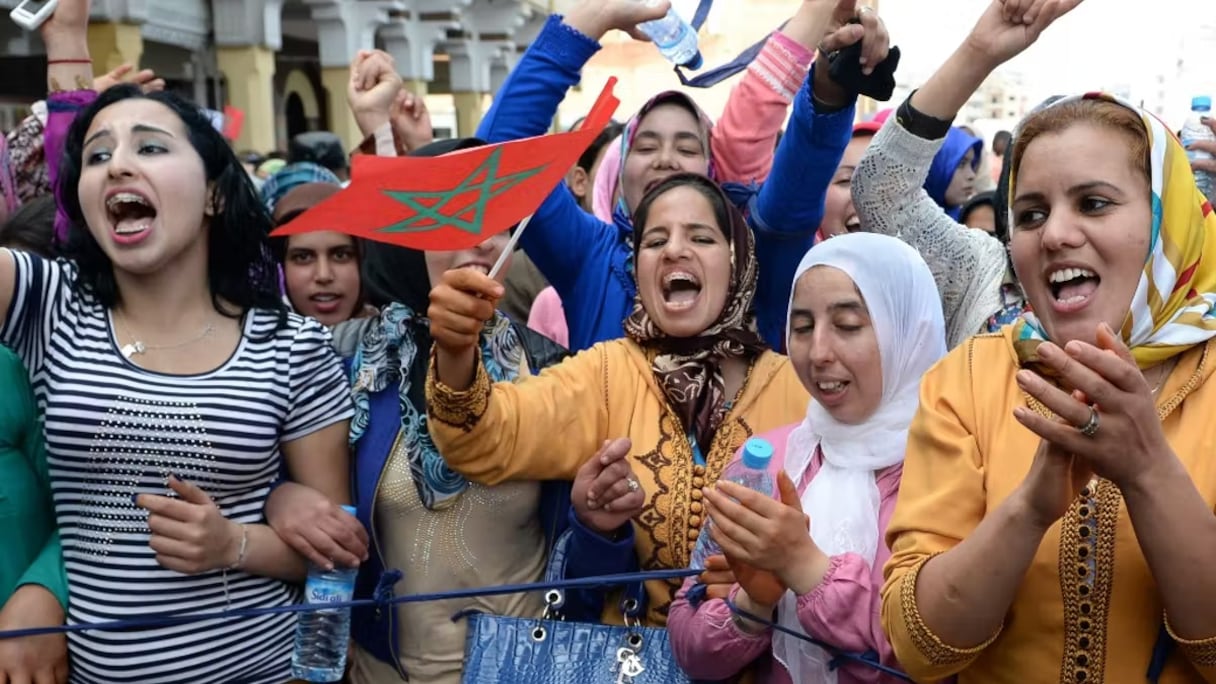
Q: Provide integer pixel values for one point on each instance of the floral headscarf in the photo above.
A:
(689, 369)
(1174, 306)
(8, 186)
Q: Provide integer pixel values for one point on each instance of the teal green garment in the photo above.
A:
(29, 536)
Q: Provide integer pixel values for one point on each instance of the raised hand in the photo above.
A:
(373, 89)
(412, 121)
(190, 534)
(38, 659)
(1008, 27)
(1208, 165)
(606, 495)
(872, 32)
(461, 303)
(316, 527)
(146, 79)
(70, 17)
(594, 18)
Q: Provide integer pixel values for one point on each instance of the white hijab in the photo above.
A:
(843, 499)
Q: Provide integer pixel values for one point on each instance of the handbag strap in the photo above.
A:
(839, 656)
(713, 77)
(633, 603)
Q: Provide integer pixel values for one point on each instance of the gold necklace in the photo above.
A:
(139, 347)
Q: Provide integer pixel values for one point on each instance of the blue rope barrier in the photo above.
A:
(869, 659)
(170, 619)
(384, 597)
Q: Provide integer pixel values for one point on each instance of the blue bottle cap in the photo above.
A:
(757, 453)
(351, 509)
(1201, 103)
(695, 63)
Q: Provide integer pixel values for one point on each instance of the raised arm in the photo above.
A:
(493, 433)
(789, 207)
(969, 266)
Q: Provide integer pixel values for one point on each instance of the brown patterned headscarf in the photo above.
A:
(689, 368)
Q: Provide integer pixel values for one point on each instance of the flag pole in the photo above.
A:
(502, 258)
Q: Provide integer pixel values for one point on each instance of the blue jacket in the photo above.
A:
(585, 259)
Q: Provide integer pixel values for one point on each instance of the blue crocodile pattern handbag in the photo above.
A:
(549, 650)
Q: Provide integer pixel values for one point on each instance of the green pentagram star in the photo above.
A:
(484, 181)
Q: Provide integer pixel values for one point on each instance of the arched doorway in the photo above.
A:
(297, 119)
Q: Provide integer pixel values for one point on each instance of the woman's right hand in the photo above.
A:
(1008, 27)
(461, 303)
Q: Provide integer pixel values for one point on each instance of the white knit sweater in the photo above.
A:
(968, 265)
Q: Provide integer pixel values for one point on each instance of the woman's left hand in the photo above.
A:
(190, 534)
(1128, 442)
(767, 534)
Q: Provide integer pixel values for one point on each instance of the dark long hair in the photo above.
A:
(240, 269)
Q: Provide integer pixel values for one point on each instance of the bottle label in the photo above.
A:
(322, 591)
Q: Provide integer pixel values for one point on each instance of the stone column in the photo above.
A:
(249, 73)
(488, 30)
(411, 38)
(112, 44)
(247, 34)
(344, 28)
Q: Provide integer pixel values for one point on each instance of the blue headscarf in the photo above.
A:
(941, 172)
(292, 176)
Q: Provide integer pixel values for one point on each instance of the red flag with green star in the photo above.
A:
(457, 200)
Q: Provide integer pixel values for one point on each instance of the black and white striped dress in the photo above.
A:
(115, 430)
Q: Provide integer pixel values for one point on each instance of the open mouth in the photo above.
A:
(130, 213)
(853, 224)
(477, 266)
(681, 289)
(1072, 286)
(830, 393)
(326, 302)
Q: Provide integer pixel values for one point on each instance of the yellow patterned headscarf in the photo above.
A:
(1174, 307)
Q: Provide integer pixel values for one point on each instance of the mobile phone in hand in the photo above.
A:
(31, 14)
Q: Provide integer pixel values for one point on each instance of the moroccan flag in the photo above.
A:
(457, 200)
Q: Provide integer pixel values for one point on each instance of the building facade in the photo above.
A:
(285, 63)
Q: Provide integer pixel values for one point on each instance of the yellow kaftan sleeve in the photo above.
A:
(1201, 653)
(540, 428)
(941, 501)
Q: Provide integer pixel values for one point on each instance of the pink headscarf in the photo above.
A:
(607, 178)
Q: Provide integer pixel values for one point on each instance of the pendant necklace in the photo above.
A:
(137, 347)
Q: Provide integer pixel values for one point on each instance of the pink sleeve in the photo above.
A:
(830, 611)
(706, 642)
(548, 318)
(745, 137)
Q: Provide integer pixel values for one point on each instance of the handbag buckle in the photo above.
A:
(629, 664)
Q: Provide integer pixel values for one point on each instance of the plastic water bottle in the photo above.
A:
(751, 471)
(1194, 130)
(322, 636)
(674, 37)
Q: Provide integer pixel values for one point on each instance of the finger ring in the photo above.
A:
(1090, 428)
(863, 9)
(633, 484)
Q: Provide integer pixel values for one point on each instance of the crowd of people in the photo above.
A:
(983, 371)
